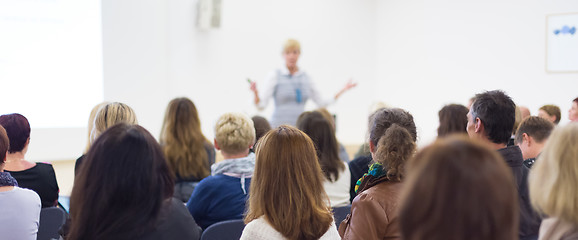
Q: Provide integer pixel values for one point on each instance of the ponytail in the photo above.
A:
(394, 148)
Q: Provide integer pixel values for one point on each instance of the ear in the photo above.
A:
(553, 118)
(479, 126)
(371, 147)
(526, 138)
(216, 144)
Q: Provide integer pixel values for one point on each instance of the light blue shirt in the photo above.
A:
(290, 94)
(19, 214)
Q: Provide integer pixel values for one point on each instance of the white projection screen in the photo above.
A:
(51, 60)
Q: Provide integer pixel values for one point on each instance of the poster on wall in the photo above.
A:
(562, 42)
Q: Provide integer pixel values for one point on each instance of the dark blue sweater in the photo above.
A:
(218, 198)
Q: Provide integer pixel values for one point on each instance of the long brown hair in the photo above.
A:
(121, 187)
(183, 141)
(287, 185)
(393, 132)
(323, 136)
(458, 189)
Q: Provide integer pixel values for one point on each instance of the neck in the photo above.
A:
(496, 146)
(234, 155)
(292, 69)
(14, 157)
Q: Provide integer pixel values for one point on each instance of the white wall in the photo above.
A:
(415, 54)
(211, 67)
(432, 53)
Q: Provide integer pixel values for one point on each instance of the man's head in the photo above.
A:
(492, 117)
(532, 135)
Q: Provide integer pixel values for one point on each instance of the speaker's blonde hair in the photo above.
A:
(290, 45)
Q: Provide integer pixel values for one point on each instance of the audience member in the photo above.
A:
(107, 116)
(458, 189)
(374, 210)
(262, 126)
(222, 195)
(553, 184)
(125, 189)
(90, 125)
(189, 154)
(287, 199)
(337, 176)
(573, 112)
(524, 112)
(364, 148)
(531, 137)
(19, 207)
(360, 165)
(490, 120)
(453, 119)
(551, 113)
(39, 177)
(343, 155)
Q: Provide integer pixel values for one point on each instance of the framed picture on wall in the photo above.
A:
(562, 43)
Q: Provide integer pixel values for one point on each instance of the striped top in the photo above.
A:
(290, 94)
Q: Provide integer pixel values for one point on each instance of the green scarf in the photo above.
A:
(376, 170)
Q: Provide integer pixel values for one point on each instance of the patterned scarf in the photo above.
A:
(7, 180)
(375, 171)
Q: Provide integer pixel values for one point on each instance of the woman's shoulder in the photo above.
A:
(260, 229)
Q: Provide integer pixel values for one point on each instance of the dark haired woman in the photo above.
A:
(392, 138)
(125, 191)
(337, 176)
(459, 189)
(39, 177)
(453, 119)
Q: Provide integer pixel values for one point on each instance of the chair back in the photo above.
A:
(340, 213)
(51, 219)
(230, 229)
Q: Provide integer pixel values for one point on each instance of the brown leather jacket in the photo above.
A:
(374, 213)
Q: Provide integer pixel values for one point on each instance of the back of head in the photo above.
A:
(91, 118)
(497, 112)
(459, 189)
(234, 133)
(18, 130)
(321, 132)
(536, 127)
(261, 125)
(4, 145)
(121, 186)
(552, 110)
(298, 210)
(552, 181)
(453, 119)
(393, 133)
(183, 141)
(109, 115)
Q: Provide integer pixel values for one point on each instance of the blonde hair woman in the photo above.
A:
(188, 152)
(552, 184)
(222, 195)
(287, 198)
(108, 115)
(290, 87)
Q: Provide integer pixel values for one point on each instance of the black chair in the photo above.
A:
(51, 219)
(230, 229)
(340, 213)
